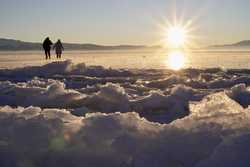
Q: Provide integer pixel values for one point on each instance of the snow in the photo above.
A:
(65, 114)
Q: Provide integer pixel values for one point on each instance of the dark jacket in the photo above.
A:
(47, 44)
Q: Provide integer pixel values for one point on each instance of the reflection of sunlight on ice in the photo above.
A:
(176, 60)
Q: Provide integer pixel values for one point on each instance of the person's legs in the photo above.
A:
(46, 54)
(49, 53)
(60, 55)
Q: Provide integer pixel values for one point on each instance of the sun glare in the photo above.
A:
(176, 36)
(176, 60)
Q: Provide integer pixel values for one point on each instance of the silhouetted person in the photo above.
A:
(47, 46)
(58, 48)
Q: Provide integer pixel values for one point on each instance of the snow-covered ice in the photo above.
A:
(66, 114)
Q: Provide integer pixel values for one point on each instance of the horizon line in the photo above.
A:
(117, 45)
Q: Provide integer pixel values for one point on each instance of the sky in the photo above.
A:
(113, 22)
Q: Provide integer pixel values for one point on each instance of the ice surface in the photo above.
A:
(60, 68)
(241, 94)
(49, 94)
(230, 153)
(65, 114)
(55, 137)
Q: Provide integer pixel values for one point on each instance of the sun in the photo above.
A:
(176, 36)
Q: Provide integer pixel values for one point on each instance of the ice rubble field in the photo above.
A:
(65, 114)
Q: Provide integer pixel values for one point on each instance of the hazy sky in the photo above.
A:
(123, 21)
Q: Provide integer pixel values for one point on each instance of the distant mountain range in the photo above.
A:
(241, 44)
(15, 45)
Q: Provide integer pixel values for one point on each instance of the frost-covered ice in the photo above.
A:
(65, 114)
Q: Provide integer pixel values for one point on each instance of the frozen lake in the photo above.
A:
(69, 114)
(143, 59)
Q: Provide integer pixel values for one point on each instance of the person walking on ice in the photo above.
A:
(47, 46)
(58, 49)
